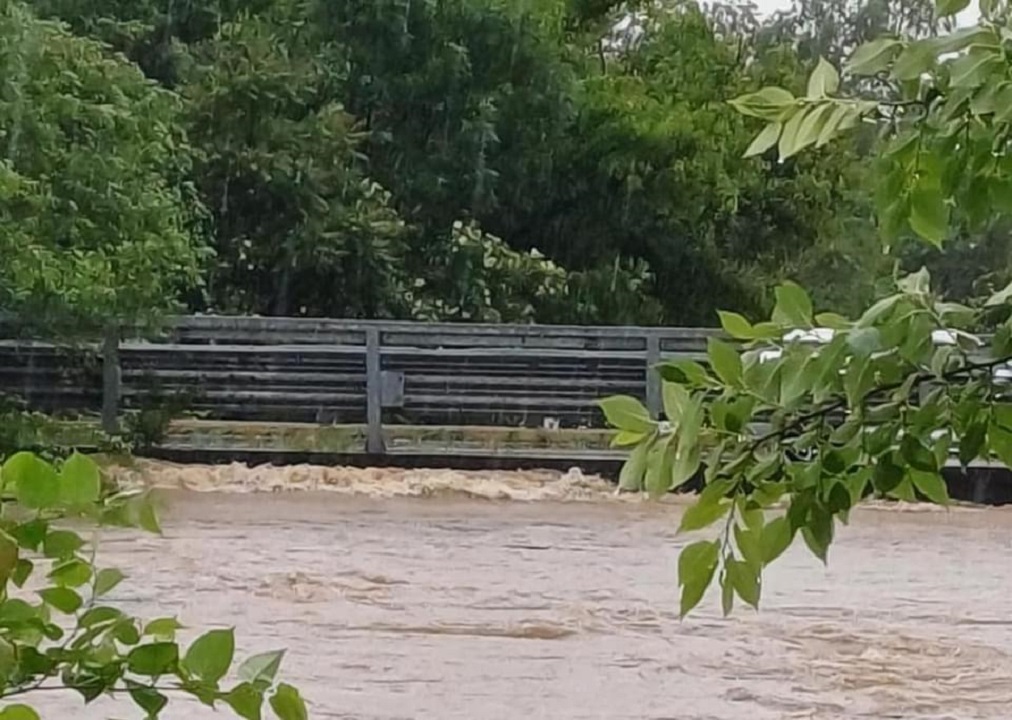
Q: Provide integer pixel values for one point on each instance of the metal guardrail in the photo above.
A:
(345, 372)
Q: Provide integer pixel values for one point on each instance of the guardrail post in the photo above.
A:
(111, 380)
(655, 403)
(374, 444)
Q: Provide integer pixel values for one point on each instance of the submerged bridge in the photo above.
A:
(355, 392)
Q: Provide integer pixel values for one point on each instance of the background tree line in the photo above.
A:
(567, 161)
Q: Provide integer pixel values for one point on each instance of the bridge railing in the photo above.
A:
(340, 372)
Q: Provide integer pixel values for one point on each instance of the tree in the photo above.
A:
(833, 29)
(69, 635)
(380, 125)
(816, 412)
(94, 218)
(299, 226)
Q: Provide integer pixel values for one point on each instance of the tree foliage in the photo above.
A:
(611, 154)
(812, 413)
(60, 627)
(94, 221)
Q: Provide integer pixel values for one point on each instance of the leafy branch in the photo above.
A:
(917, 380)
(893, 440)
(106, 652)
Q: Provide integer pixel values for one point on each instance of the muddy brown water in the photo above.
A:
(448, 607)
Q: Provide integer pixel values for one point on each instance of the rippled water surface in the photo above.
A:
(475, 609)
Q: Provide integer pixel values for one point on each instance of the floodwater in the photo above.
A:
(453, 606)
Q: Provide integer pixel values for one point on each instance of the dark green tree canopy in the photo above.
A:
(331, 149)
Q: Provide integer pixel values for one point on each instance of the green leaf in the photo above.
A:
(930, 485)
(736, 326)
(746, 582)
(262, 668)
(726, 592)
(63, 599)
(1001, 414)
(61, 544)
(818, 533)
(748, 541)
(705, 512)
(917, 284)
(99, 616)
(811, 127)
(676, 399)
(791, 137)
(210, 655)
(864, 341)
(1003, 112)
(986, 101)
(776, 538)
(107, 580)
(823, 81)
(80, 483)
(15, 611)
(880, 438)
(1000, 443)
(125, 631)
(839, 499)
(858, 380)
(684, 372)
(929, 214)
(30, 534)
(624, 438)
(879, 310)
(769, 494)
(725, 361)
(766, 139)
(18, 712)
(631, 476)
(696, 566)
(148, 699)
(916, 59)
(964, 38)
(843, 117)
(857, 484)
(71, 573)
(8, 558)
(627, 413)
(887, 474)
(288, 704)
(944, 8)
(153, 659)
(686, 464)
(794, 307)
(904, 491)
(734, 415)
(975, 67)
(246, 700)
(794, 380)
(769, 103)
(1001, 297)
(690, 422)
(36, 484)
(972, 443)
(917, 455)
(162, 628)
(147, 518)
(8, 660)
(832, 321)
(873, 57)
(658, 472)
(22, 571)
